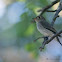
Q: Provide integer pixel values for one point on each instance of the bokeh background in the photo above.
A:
(17, 32)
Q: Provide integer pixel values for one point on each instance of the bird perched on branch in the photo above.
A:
(45, 28)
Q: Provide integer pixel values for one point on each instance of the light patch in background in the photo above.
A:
(14, 12)
(55, 6)
(36, 10)
(2, 8)
(60, 13)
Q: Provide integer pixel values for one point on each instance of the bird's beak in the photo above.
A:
(33, 21)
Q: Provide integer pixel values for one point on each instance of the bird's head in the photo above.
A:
(38, 18)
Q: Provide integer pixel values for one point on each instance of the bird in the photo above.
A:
(45, 28)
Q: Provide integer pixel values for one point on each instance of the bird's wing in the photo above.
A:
(46, 25)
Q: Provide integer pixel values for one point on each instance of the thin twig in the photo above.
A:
(51, 10)
(45, 37)
(47, 7)
(37, 39)
(54, 19)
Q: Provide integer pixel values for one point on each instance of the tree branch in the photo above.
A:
(46, 42)
(57, 12)
(47, 7)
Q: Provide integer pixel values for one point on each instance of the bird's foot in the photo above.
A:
(41, 48)
(44, 43)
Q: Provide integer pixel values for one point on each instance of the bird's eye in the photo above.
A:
(38, 17)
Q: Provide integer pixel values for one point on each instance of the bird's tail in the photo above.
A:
(58, 40)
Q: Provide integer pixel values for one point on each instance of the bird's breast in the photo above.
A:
(43, 30)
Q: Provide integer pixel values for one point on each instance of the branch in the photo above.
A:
(46, 42)
(47, 7)
(57, 12)
(38, 38)
(51, 10)
(45, 38)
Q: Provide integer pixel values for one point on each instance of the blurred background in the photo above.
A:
(17, 32)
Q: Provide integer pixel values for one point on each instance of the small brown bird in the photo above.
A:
(45, 28)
